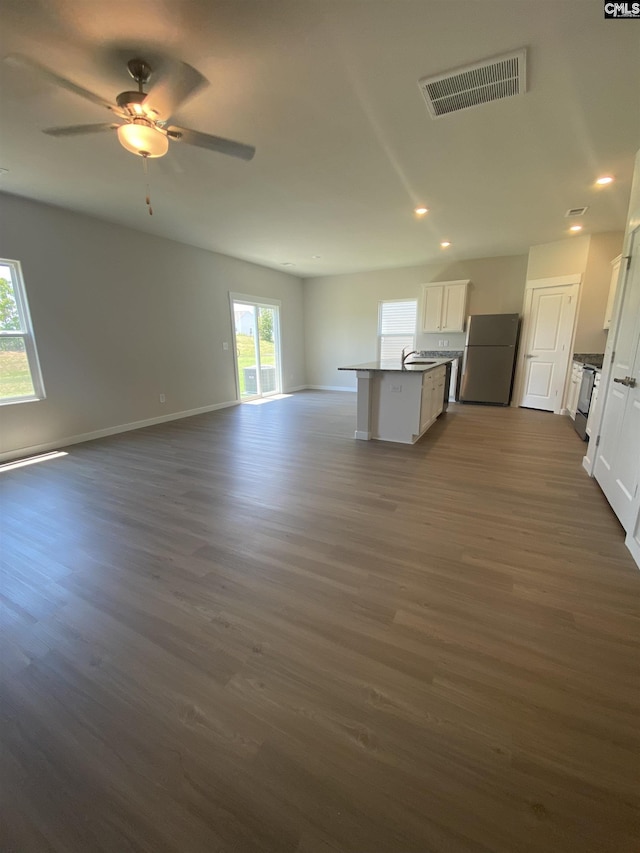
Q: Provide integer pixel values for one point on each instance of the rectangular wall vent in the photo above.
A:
(576, 211)
(480, 83)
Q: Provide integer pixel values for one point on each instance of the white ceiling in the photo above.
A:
(328, 94)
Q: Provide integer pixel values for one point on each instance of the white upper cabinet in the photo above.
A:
(613, 286)
(444, 306)
(432, 300)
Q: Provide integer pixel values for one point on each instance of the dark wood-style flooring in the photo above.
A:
(246, 632)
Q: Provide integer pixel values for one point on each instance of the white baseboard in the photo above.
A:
(103, 433)
(296, 388)
(362, 435)
(331, 388)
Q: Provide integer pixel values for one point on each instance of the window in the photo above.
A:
(20, 378)
(396, 327)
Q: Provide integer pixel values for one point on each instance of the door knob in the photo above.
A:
(530, 355)
(628, 381)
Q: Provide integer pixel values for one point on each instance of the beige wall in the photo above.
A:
(563, 257)
(591, 257)
(341, 311)
(603, 248)
(121, 316)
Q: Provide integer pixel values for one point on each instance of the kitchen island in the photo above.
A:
(400, 403)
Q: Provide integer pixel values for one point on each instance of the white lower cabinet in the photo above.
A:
(426, 402)
(573, 391)
(439, 375)
(432, 402)
(593, 408)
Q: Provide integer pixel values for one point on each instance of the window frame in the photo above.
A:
(402, 335)
(26, 333)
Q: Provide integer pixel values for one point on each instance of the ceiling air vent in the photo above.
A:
(576, 211)
(490, 80)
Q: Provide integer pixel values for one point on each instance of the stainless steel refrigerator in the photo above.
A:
(489, 358)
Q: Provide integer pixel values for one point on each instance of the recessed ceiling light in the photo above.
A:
(287, 264)
(604, 180)
(575, 228)
(3, 171)
(315, 257)
(445, 244)
(420, 211)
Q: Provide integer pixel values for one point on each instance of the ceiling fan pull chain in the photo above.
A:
(146, 174)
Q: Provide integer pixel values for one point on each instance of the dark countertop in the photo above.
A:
(594, 359)
(394, 366)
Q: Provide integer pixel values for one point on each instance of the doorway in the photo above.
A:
(550, 312)
(256, 332)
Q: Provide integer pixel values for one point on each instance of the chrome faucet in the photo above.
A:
(405, 355)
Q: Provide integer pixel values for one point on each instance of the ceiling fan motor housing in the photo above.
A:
(132, 103)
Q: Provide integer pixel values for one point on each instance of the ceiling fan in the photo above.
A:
(143, 128)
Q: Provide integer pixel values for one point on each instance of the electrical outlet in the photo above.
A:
(396, 388)
(163, 399)
(446, 342)
(225, 345)
(440, 343)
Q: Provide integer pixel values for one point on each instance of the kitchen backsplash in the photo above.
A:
(441, 353)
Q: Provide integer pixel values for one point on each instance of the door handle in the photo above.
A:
(530, 355)
(628, 382)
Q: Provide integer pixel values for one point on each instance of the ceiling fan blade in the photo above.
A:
(79, 129)
(213, 143)
(47, 74)
(177, 85)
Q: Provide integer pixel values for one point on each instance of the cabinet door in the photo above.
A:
(454, 308)
(432, 308)
(573, 397)
(437, 397)
(574, 389)
(426, 402)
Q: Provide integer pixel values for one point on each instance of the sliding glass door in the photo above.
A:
(257, 346)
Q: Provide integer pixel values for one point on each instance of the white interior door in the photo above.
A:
(547, 346)
(617, 465)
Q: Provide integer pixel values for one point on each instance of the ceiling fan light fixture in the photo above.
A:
(142, 138)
